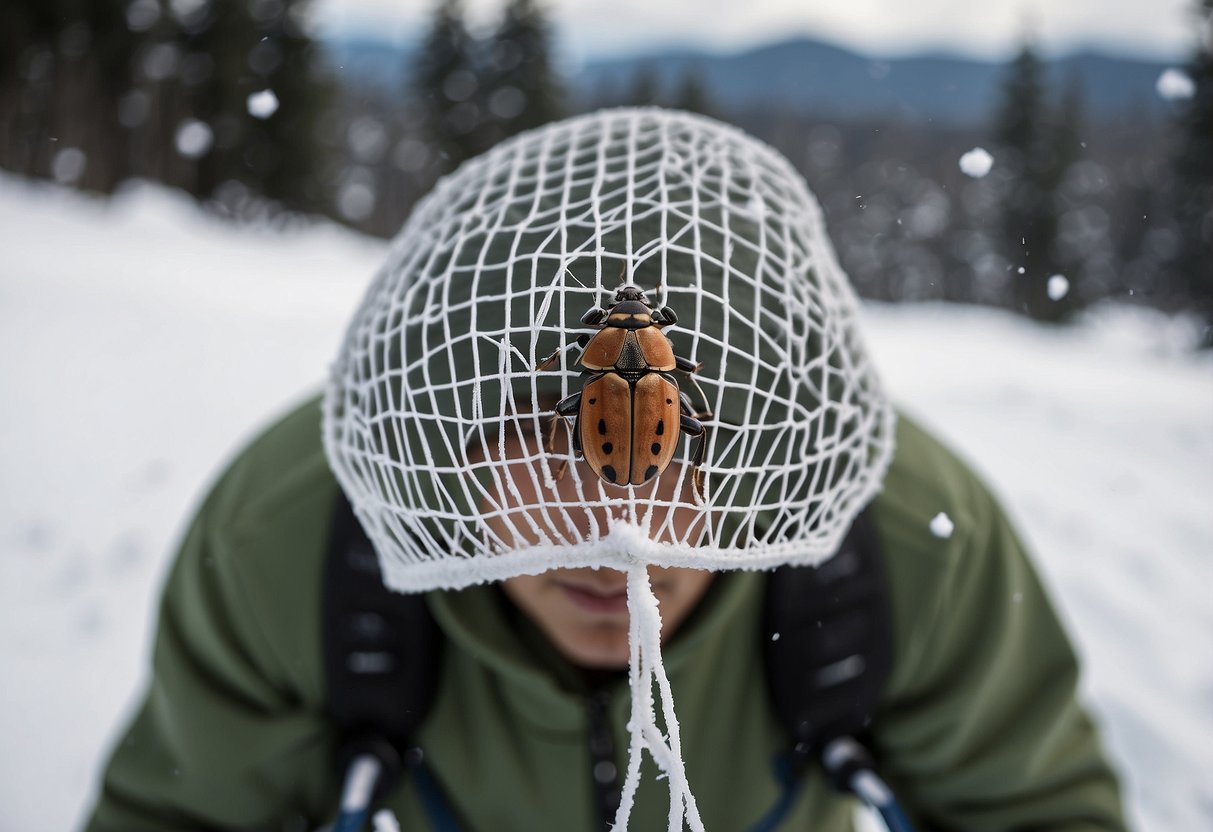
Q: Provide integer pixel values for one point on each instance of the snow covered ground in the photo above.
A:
(141, 342)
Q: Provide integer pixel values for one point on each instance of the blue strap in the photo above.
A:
(789, 785)
(894, 818)
(436, 808)
(350, 821)
(433, 801)
(891, 813)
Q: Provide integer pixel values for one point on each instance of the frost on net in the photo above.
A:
(439, 417)
(435, 396)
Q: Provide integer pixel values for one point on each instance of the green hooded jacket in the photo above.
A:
(979, 727)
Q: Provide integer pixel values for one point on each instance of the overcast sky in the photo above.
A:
(885, 28)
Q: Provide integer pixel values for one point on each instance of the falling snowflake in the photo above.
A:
(68, 165)
(356, 195)
(262, 104)
(941, 525)
(1174, 84)
(141, 15)
(507, 102)
(1058, 287)
(976, 163)
(194, 138)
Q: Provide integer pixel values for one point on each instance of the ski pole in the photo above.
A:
(360, 779)
(850, 763)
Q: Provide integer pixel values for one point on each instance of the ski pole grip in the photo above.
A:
(842, 759)
(390, 764)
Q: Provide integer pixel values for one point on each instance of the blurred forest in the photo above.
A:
(238, 103)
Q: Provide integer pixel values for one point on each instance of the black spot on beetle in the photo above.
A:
(602, 426)
(667, 401)
(650, 472)
(660, 426)
(607, 447)
(608, 471)
(656, 449)
(594, 400)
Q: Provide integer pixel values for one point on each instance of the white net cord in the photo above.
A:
(437, 416)
(645, 669)
(493, 273)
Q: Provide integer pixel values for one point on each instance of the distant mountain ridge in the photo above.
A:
(817, 76)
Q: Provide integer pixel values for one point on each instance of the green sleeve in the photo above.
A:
(227, 737)
(981, 728)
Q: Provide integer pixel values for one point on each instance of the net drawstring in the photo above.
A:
(646, 668)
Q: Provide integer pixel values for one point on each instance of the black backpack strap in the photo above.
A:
(829, 644)
(381, 653)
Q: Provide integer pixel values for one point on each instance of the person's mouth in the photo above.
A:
(595, 599)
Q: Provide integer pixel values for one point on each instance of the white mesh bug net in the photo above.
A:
(437, 418)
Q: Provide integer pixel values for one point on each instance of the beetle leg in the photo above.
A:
(568, 406)
(578, 453)
(593, 316)
(690, 426)
(688, 421)
(551, 359)
(565, 408)
(551, 449)
(689, 410)
(665, 316)
(698, 414)
(686, 365)
(550, 444)
(697, 458)
(581, 341)
(697, 475)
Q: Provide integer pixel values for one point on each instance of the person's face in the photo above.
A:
(584, 612)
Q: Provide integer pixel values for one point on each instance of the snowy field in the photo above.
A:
(141, 342)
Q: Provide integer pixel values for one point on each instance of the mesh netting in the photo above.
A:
(437, 421)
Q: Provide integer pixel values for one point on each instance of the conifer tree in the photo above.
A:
(447, 84)
(1193, 166)
(1068, 255)
(63, 66)
(646, 87)
(1034, 151)
(692, 94)
(224, 51)
(281, 152)
(118, 82)
(524, 90)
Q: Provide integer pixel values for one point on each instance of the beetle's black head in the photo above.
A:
(629, 291)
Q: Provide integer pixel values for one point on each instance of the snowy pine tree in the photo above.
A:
(234, 49)
(692, 94)
(645, 90)
(447, 82)
(1193, 165)
(1036, 145)
(94, 93)
(63, 69)
(524, 90)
